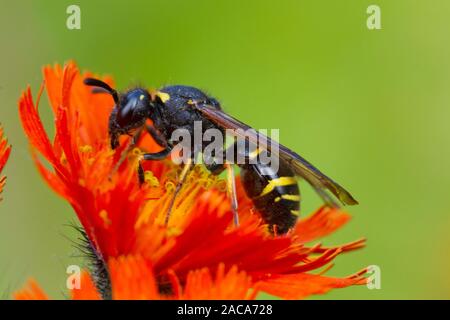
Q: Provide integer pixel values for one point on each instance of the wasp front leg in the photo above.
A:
(151, 156)
(157, 136)
(130, 144)
(161, 141)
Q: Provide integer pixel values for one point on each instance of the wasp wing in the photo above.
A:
(298, 164)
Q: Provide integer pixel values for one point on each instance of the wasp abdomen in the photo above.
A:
(275, 195)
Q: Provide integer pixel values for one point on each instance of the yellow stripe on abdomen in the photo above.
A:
(291, 197)
(278, 182)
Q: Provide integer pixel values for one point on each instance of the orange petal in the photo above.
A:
(300, 286)
(232, 285)
(132, 279)
(32, 291)
(53, 84)
(34, 129)
(64, 139)
(87, 290)
(93, 109)
(52, 179)
(323, 222)
(5, 150)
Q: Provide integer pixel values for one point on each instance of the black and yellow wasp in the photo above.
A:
(275, 194)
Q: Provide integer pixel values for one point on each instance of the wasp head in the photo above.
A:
(130, 111)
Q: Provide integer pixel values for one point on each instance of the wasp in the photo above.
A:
(274, 193)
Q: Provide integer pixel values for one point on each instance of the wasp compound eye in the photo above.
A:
(125, 113)
(133, 108)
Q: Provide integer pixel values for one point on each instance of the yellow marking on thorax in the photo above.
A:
(295, 212)
(291, 197)
(279, 182)
(163, 96)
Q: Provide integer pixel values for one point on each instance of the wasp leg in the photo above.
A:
(124, 154)
(156, 135)
(217, 168)
(151, 156)
(231, 188)
(141, 175)
(160, 140)
(135, 138)
(184, 173)
(157, 155)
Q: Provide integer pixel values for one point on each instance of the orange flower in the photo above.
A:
(5, 150)
(200, 254)
(132, 279)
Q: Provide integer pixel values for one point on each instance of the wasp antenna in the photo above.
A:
(101, 87)
(100, 90)
(97, 83)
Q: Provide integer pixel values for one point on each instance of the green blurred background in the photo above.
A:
(370, 108)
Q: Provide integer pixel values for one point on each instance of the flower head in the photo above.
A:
(5, 150)
(200, 254)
